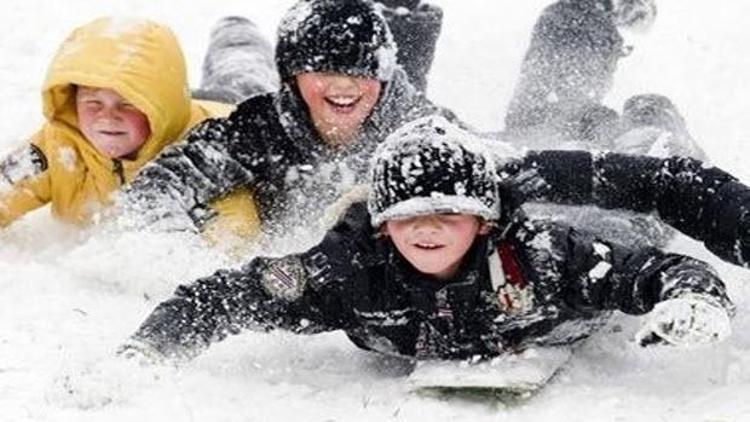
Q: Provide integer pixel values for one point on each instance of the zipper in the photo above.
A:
(118, 170)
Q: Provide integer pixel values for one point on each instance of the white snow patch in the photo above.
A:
(386, 56)
(294, 18)
(600, 270)
(68, 158)
(542, 241)
(121, 26)
(601, 250)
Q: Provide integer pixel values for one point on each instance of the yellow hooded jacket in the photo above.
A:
(143, 62)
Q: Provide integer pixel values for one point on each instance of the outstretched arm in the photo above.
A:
(24, 182)
(173, 191)
(604, 275)
(704, 203)
(303, 293)
(687, 301)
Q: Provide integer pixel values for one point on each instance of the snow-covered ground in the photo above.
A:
(66, 304)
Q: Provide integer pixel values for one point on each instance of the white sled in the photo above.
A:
(511, 376)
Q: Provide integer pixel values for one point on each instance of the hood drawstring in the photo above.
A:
(118, 170)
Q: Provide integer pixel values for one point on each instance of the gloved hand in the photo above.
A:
(693, 320)
(141, 352)
(517, 188)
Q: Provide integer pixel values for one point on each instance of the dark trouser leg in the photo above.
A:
(416, 28)
(569, 65)
(238, 64)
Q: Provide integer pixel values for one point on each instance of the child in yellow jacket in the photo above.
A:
(115, 94)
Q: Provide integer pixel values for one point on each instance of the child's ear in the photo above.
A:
(382, 231)
(484, 228)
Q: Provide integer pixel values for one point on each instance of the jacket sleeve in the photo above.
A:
(175, 190)
(236, 221)
(704, 203)
(600, 275)
(24, 182)
(304, 293)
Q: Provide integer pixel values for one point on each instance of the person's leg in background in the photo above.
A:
(238, 64)
(416, 27)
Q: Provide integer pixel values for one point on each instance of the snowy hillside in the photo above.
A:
(66, 304)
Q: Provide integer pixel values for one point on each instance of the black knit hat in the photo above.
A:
(341, 36)
(431, 166)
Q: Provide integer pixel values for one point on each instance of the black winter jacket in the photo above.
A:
(704, 203)
(270, 145)
(556, 283)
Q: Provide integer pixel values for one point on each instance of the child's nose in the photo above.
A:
(110, 113)
(342, 82)
(427, 224)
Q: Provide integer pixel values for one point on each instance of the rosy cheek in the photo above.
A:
(137, 121)
(316, 89)
(372, 88)
(85, 120)
(86, 113)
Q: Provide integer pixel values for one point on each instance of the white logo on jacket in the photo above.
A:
(284, 278)
(512, 299)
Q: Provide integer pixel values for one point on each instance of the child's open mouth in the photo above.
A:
(427, 246)
(343, 104)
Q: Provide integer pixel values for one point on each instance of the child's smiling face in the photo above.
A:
(338, 103)
(435, 244)
(114, 126)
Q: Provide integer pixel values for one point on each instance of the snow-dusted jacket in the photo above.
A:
(269, 145)
(143, 62)
(537, 283)
(702, 202)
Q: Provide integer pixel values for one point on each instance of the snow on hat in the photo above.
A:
(431, 166)
(341, 36)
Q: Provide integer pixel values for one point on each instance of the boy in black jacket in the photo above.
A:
(296, 149)
(429, 269)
